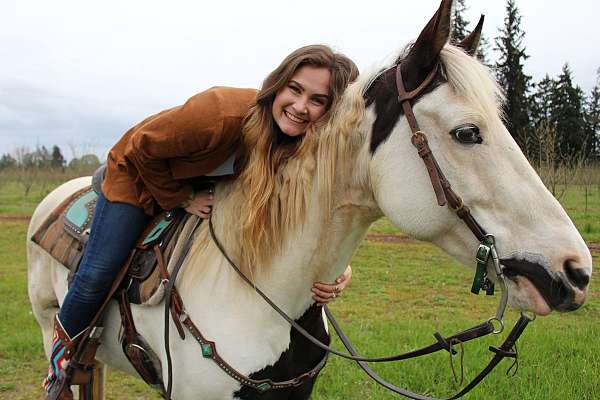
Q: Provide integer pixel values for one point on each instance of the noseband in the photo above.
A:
(486, 254)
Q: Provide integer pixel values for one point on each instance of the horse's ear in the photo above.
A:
(471, 42)
(425, 52)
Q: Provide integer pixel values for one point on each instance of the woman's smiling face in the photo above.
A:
(303, 100)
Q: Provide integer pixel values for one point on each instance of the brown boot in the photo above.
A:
(57, 383)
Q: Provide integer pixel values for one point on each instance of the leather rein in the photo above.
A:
(486, 255)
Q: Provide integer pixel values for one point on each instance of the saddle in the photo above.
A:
(64, 235)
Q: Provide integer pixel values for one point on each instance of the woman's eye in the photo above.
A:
(318, 102)
(294, 89)
(467, 134)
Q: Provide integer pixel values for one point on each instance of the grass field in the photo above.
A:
(401, 293)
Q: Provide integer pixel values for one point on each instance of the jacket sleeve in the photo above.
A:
(193, 129)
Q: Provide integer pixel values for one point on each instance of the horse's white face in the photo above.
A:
(544, 256)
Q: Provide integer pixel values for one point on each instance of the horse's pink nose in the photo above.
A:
(577, 276)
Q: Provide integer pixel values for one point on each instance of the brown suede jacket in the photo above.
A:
(151, 163)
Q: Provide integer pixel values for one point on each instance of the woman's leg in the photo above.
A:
(115, 230)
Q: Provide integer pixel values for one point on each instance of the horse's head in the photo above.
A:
(546, 260)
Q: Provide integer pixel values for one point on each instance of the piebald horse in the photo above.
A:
(359, 167)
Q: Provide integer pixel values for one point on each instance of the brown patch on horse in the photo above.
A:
(421, 58)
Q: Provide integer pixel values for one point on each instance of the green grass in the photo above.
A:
(400, 295)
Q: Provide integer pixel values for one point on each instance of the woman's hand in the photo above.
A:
(201, 204)
(323, 293)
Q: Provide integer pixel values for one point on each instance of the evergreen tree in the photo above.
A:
(567, 102)
(459, 23)
(459, 30)
(482, 50)
(541, 100)
(510, 74)
(58, 161)
(592, 121)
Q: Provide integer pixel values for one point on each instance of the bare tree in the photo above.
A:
(557, 170)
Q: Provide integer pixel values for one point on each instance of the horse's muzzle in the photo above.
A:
(563, 291)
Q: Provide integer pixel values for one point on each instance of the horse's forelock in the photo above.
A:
(473, 81)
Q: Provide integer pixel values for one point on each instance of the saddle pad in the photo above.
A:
(78, 216)
(64, 245)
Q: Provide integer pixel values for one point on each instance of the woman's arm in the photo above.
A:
(193, 130)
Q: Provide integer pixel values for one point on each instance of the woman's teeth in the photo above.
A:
(294, 118)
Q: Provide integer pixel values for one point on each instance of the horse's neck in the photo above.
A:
(320, 250)
(317, 250)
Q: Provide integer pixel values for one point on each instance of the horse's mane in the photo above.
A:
(330, 161)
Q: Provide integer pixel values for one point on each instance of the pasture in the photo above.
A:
(401, 293)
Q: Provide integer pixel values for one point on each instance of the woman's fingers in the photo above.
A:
(323, 296)
(323, 293)
(201, 205)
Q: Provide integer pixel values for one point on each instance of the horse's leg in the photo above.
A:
(42, 291)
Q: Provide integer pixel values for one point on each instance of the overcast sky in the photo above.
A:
(79, 73)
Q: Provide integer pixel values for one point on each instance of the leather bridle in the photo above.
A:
(486, 255)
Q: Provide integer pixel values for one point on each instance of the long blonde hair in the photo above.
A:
(268, 150)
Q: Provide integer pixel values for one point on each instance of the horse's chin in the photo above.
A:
(532, 300)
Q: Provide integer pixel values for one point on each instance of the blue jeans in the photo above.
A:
(115, 230)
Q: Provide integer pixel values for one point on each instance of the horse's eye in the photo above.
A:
(467, 134)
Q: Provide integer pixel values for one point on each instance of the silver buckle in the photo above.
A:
(483, 253)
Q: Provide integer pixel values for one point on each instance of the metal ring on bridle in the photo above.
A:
(526, 315)
(501, 329)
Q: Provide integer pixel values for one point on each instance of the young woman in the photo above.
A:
(150, 168)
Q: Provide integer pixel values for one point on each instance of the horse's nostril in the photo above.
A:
(580, 277)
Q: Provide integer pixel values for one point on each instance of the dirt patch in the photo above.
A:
(390, 238)
(399, 239)
(13, 218)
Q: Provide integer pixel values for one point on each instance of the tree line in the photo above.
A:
(42, 158)
(554, 122)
